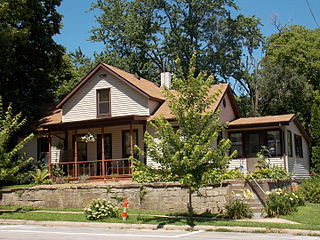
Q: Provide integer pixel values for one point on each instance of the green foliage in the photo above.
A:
(281, 202)
(263, 156)
(237, 209)
(100, 209)
(315, 133)
(30, 61)
(310, 189)
(41, 176)
(274, 172)
(12, 161)
(188, 154)
(145, 36)
(219, 175)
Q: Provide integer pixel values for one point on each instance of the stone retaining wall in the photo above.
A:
(151, 196)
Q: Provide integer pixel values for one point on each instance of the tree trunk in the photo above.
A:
(190, 210)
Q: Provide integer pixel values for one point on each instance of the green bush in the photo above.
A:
(310, 189)
(41, 177)
(219, 175)
(99, 209)
(237, 209)
(274, 172)
(315, 159)
(281, 202)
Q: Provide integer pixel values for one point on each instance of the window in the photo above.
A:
(255, 141)
(289, 141)
(298, 146)
(273, 142)
(103, 102)
(107, 146)
(236, 139)
(43, 149)
(81, 148)
(126, 148)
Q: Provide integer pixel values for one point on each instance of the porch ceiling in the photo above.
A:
(99, 122)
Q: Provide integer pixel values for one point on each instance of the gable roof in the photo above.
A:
(224, 88)
(140, 84)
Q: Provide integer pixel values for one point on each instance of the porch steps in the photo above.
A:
(255, 204)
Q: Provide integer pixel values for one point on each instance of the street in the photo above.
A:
(32, 232)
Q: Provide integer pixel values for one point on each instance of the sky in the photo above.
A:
(77, 22)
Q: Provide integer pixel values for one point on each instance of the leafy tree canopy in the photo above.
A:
(30, 60)
(298, 48)
(146, 36)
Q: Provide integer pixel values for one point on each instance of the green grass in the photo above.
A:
(19, 186)
(309, 214)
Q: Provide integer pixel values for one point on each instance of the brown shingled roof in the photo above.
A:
(164, 110)
(262, 120)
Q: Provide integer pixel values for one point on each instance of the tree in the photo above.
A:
(30, 60)
(11, 160)
(146, 36)
(315, 133)
(188, 155)
(298, 48)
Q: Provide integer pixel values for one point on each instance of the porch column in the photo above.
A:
(50, 154)
(131, 140)
(144, 145)
(75, 154)
(102, 152)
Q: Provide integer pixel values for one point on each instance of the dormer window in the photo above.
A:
(103, 102)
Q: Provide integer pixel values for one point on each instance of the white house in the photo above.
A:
(113, 106)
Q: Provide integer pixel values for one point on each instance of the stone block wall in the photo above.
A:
(150, 196)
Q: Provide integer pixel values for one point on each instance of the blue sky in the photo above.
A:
(77, 22)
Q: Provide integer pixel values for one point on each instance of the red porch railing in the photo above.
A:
(93, 169)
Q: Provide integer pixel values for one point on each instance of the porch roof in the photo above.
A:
(275, 120)
(93, 123)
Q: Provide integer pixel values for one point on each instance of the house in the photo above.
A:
(92, 131)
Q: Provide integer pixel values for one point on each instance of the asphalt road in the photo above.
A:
(31, 232)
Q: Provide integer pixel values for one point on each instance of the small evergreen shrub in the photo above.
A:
(315, 159)
(281, 202)
(100, 209)
(310, 189)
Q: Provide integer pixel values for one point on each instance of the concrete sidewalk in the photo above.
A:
(155, 227)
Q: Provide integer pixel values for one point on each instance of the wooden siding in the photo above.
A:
(227, 114)
(300, 167)
(149, 159)
(124, 100)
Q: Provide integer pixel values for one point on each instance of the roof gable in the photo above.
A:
(142, 85)
(164, 110)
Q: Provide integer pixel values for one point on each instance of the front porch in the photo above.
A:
(94, 149)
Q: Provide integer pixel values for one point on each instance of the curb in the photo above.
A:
(155, 227)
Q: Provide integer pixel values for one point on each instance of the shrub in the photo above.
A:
(275, 172)
(310, 189)
(281, 202)
(100, 209)
(41, 177)
(237, 209)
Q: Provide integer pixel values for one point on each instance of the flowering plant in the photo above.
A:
(237, 208)
(281, 202)
(101, 208)
(88, 138)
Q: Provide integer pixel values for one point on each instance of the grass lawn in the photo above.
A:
(309, 214)
(141, 217)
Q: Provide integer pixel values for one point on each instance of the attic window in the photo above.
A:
(103, 102)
